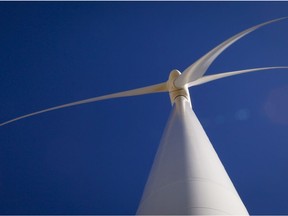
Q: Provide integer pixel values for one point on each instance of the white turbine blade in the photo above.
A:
(162, 87)
(197, 69)
(210, 78)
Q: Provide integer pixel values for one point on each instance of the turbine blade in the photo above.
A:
(198, 69)
(162, 87)
(210, 78)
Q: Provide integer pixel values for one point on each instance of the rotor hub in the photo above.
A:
(175, 92)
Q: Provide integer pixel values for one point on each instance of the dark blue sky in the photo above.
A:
(95, 158)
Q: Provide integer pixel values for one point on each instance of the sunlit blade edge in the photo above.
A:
(198, 69)
(210, 78)
(162, 87)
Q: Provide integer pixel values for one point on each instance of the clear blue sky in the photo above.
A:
(95, 158)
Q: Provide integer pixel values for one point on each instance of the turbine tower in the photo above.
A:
(187, 177)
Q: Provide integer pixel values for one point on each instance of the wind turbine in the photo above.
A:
(187, 176)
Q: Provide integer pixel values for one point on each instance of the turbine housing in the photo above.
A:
(175, 92)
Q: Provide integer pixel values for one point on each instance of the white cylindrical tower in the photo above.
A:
(187, 176)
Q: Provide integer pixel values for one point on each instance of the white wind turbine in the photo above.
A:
(187, 176)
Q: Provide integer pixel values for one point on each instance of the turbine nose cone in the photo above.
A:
(174, 74)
